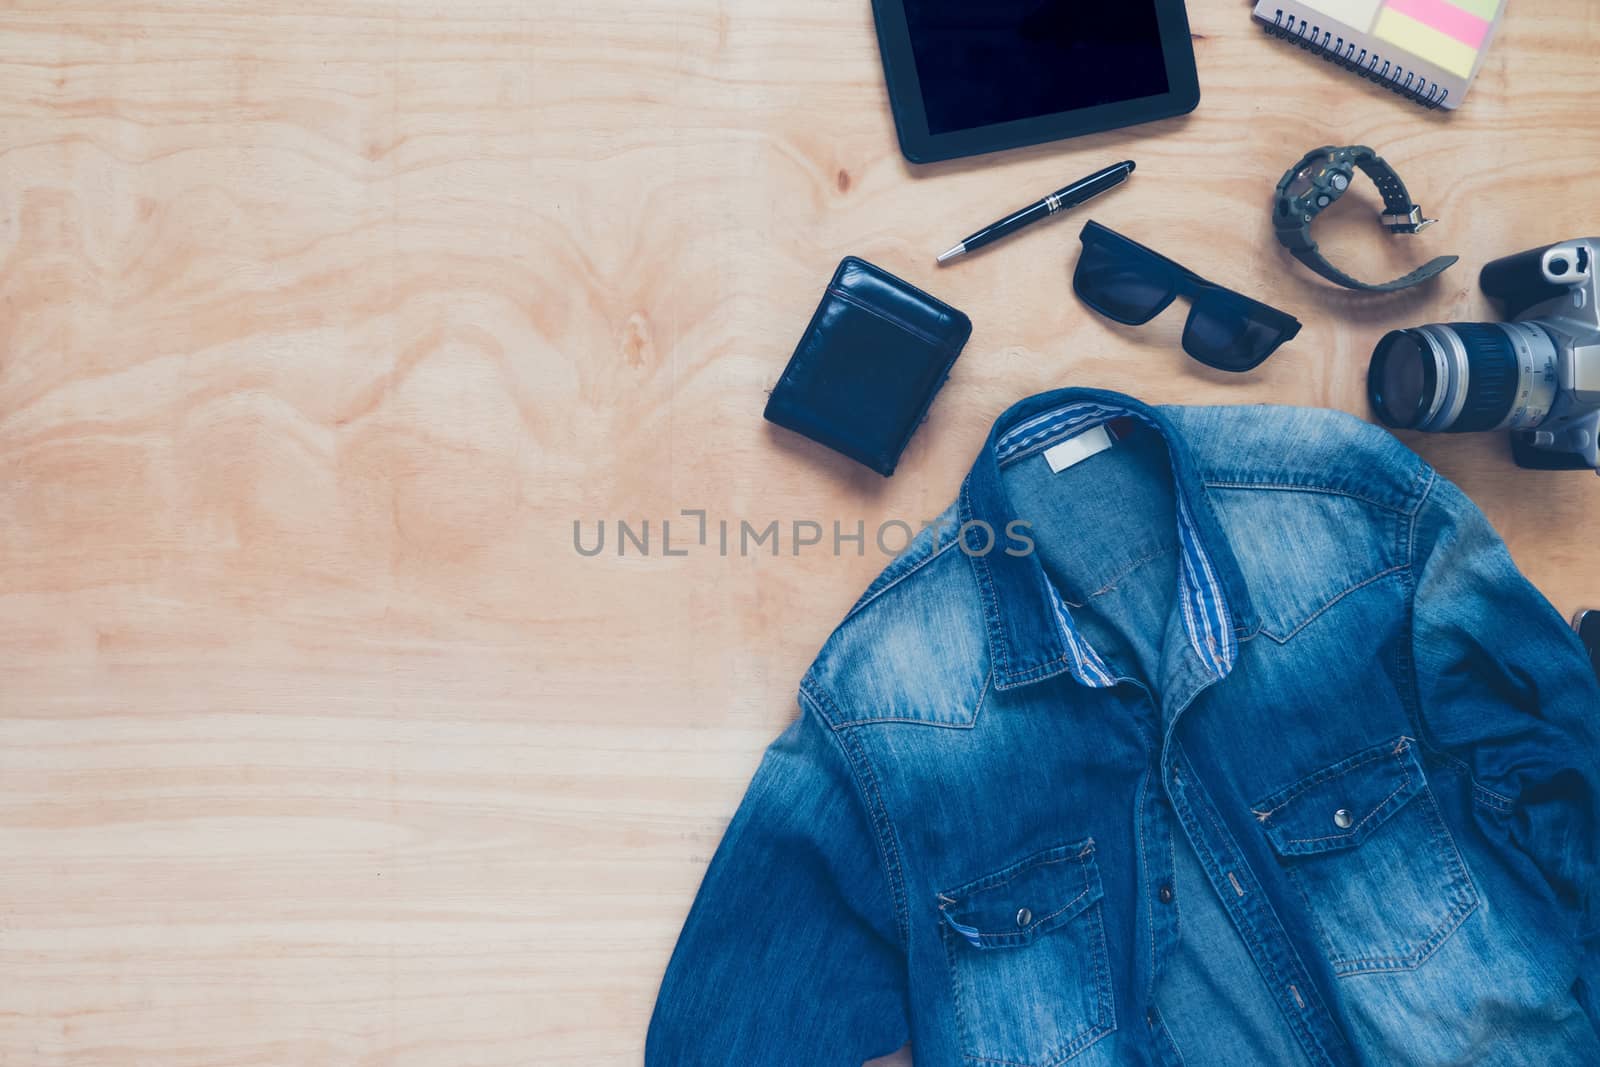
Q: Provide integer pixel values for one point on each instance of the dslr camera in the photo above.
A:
(1537, 374)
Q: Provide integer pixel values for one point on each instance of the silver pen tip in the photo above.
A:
(958, 250)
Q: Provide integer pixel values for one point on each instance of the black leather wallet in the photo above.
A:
(868, 366)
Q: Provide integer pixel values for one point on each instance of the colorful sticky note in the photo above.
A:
(1465, 21)
(1484, 9)
(1426, 42)
(1397, 37)
(1446, 17)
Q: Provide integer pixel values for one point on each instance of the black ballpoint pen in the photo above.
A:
(1073, 195)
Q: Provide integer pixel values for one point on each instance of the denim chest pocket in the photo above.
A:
(1027, 953)
(1364, 842)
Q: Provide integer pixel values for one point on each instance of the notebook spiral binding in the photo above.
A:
(1369, 65)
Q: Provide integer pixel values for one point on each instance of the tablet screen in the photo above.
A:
(982, 62)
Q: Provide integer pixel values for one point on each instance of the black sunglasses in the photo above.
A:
(1125, 281)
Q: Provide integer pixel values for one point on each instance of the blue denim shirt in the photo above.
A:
(1255, 748)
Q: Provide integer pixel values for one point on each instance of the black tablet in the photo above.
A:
(971, 76)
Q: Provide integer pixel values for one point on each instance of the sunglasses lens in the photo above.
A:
(1124, 287)
(1227, 332)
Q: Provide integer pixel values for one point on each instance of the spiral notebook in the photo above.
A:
(1428, 50)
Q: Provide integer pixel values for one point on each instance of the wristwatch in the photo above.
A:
(1321, 178)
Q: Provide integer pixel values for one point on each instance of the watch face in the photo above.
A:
(1305, 178)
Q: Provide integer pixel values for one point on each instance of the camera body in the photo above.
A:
(1537, 374)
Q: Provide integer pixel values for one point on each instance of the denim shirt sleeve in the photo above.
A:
(1505, 686)
(791, 953)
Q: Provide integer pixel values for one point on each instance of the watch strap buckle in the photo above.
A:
(1411, 222)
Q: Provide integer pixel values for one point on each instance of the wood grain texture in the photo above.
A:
(321, 324)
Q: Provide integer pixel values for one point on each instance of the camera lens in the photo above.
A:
(1403, 380)
(1464, 376)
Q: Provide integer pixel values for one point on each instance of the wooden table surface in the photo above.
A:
(321, 323)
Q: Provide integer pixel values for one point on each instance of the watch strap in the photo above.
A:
(1396, 201)
(1314, 259)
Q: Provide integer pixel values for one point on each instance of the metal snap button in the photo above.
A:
(1166, 894)
(1342, 819)
(1024, 916)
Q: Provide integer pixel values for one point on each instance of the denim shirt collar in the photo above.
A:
(1031, 633)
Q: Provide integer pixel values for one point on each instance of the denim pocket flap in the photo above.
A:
(1012, 907)
(1342, 805)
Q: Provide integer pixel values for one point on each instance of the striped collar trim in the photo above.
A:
(1202, 599)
